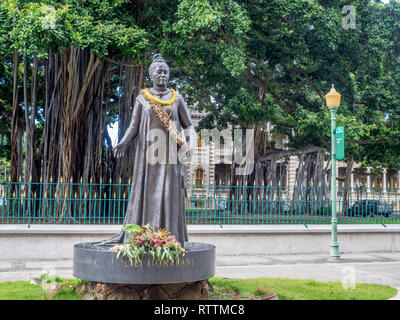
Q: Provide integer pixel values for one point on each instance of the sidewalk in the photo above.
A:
(380, 268)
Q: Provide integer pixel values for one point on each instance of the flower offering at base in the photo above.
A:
(159, 243)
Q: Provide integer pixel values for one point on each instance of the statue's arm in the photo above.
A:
(133, 128)
(131, 132)
(184, 115)
(187, 124)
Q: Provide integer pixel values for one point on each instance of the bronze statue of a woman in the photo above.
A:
(157, 194)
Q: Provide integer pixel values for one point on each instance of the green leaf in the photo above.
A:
(132, 228)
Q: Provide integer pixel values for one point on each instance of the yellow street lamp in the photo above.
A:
(333, 98)
(333, 102)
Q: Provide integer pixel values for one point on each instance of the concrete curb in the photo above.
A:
(397, 296)
(199, 229)
(55, 241)
(292, 228)
(58, 229)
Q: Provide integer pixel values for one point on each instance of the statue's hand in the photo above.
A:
(184, 154)
(120, 150)
(189, 153)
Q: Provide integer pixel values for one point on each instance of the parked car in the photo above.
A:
(276, 206)
(385, 210)
(365, 208)
(222, 205)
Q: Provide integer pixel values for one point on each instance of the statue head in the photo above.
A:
(159, 72)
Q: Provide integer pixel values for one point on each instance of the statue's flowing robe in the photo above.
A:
(157, 194)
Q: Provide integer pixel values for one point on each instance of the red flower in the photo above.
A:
(139, 238)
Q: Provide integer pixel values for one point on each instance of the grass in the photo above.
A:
(20, 290)
(226, 289)
(293, 289)
(23, 290)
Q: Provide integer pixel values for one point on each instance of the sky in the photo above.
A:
(113, 132)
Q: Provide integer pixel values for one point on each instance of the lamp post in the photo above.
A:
(333, 102)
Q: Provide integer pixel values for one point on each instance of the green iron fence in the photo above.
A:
(106, 203)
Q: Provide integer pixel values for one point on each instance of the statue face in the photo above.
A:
(160, 75)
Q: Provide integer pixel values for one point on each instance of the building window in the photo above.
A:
(199, 142)
(379, 182)
(285, 144)
(199, 178)
(394, 182)
(363, 181)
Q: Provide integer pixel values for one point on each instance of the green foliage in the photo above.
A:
(133, 229)
(245, 62)
(286, 55)
(222, 23)
(102, 25)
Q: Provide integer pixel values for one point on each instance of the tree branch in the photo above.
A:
(286, 153)
(378, 141)
(304, 73)
(6, 114)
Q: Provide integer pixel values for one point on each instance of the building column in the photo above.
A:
(384, 185)
(368, 180)
(287, 175)
(352, 184)
(398, 180)
(352, 180)
(291, 175)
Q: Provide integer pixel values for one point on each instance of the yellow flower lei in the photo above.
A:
(151, 97)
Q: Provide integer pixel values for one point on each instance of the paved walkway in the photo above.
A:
(381, 268)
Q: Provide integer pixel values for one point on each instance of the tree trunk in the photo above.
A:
(35, 159)
(131, 81)
(347, 186)
(29, 120)
(15, 130)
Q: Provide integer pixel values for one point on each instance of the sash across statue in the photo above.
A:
(164, 117)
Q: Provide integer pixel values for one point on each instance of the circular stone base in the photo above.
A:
(99, 264)
(170, 291)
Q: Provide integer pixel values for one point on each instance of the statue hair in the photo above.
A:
(157, 61)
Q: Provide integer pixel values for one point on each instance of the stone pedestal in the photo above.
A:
(170, 291)
(117, 279)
